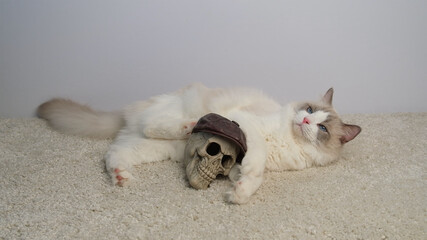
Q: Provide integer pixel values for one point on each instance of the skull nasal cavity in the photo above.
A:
(213, 149)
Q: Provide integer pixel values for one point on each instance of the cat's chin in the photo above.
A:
(301, 135)
(298, 132)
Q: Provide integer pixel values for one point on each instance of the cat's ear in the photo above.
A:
(350, 132)
(327, 98)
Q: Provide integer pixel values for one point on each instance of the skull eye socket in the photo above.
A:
(227, 161)
(213, 149)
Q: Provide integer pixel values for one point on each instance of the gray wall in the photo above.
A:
(110, 53)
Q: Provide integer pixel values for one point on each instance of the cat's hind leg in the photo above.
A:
(130, 149)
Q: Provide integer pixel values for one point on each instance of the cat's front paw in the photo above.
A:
(121, 177)
(238, 194)
(187, 128)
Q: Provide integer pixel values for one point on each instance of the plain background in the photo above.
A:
(111, 53)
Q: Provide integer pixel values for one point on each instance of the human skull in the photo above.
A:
(208, 155)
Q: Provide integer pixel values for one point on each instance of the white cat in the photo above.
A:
(296, 136)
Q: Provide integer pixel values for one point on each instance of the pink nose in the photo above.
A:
(305, 121)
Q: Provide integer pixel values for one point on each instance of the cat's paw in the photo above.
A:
(121, 177)
(238, 194)
(187, 128)
(234, 174)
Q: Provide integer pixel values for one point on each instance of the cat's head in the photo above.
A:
(318, 124)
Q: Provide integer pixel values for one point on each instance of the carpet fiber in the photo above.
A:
(55, 186)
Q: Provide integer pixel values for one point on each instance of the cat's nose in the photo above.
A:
(306, 121)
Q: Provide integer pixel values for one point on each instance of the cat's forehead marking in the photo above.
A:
(321, 116)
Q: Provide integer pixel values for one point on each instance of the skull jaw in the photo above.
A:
(196, 177)
(197, 182)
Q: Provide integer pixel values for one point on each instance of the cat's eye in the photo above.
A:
(323, 128)
(309, 110)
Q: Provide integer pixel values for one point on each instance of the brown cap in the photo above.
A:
(219, 125)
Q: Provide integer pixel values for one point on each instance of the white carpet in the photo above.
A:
(55, 186)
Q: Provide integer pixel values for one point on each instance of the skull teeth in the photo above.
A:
(205, 173)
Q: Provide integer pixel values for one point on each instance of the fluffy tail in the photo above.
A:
(73, 118)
